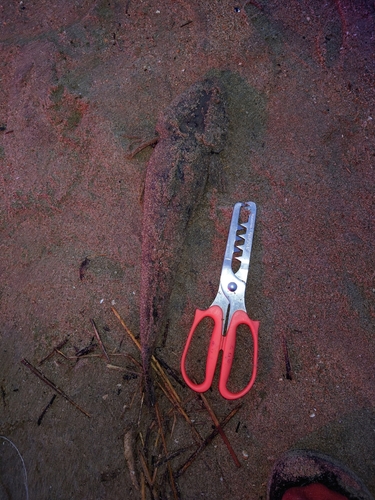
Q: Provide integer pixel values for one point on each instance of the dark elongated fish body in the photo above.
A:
(191, 131)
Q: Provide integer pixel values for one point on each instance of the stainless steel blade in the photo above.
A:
(249, 226)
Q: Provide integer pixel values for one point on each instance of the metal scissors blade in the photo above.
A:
(231, 294)
(244, 244)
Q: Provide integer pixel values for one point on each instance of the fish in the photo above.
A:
(192, 133)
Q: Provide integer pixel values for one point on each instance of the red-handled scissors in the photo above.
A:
(228, 309)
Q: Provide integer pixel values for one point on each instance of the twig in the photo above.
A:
(179, 408)
(117, 314)
(81, 356)
(134, 361)
(3, 394)
(123, 369)
(143, 487)
(186, 23)
(207, 441)
(174, 423)
(159, 370)
(145, 469)
(55, 349)
(46, 408)
(221, 431)
(171, 455)
(85, 350)
(288, 367)
(170, 371)
(52, 385)
(171, 478)
(63, 355)
(146, 473)
(101, 345)
(140, 409)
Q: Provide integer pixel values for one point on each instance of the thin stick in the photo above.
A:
(133, 360)
(122, 369)
(84, 356)
(221, 431)
(117, 314)
(160, 371)
(143, 487)
(140, 408)
(171, 478)
(170, 371)
(171, 455)
(55, 349)
(207, 441)
(145, 469)
(52, 385)
(147, 475)
(174, 423)
(179, 408)
(46, 408)
(288, 366)
(63, 355)
(101, 345)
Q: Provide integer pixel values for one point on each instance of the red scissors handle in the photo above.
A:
(225, 343)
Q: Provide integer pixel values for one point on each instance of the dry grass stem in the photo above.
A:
(207, 441)
(143, 487)
(171, 455)
(221, 431)
(48, 382)
(55, 349)
(61, 354)
(160, 371)
(147, 475)
(101, 345)
(122, 369)
(179, 408)
(170, 472)
(115, 312)
(140, 408)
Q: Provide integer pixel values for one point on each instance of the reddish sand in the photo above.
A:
(82, 84)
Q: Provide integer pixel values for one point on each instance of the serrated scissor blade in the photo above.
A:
(240, 239)
(249, 226)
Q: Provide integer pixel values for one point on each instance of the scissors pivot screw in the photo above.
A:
(232, 287)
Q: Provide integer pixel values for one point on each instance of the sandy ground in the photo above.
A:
(82, 84)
